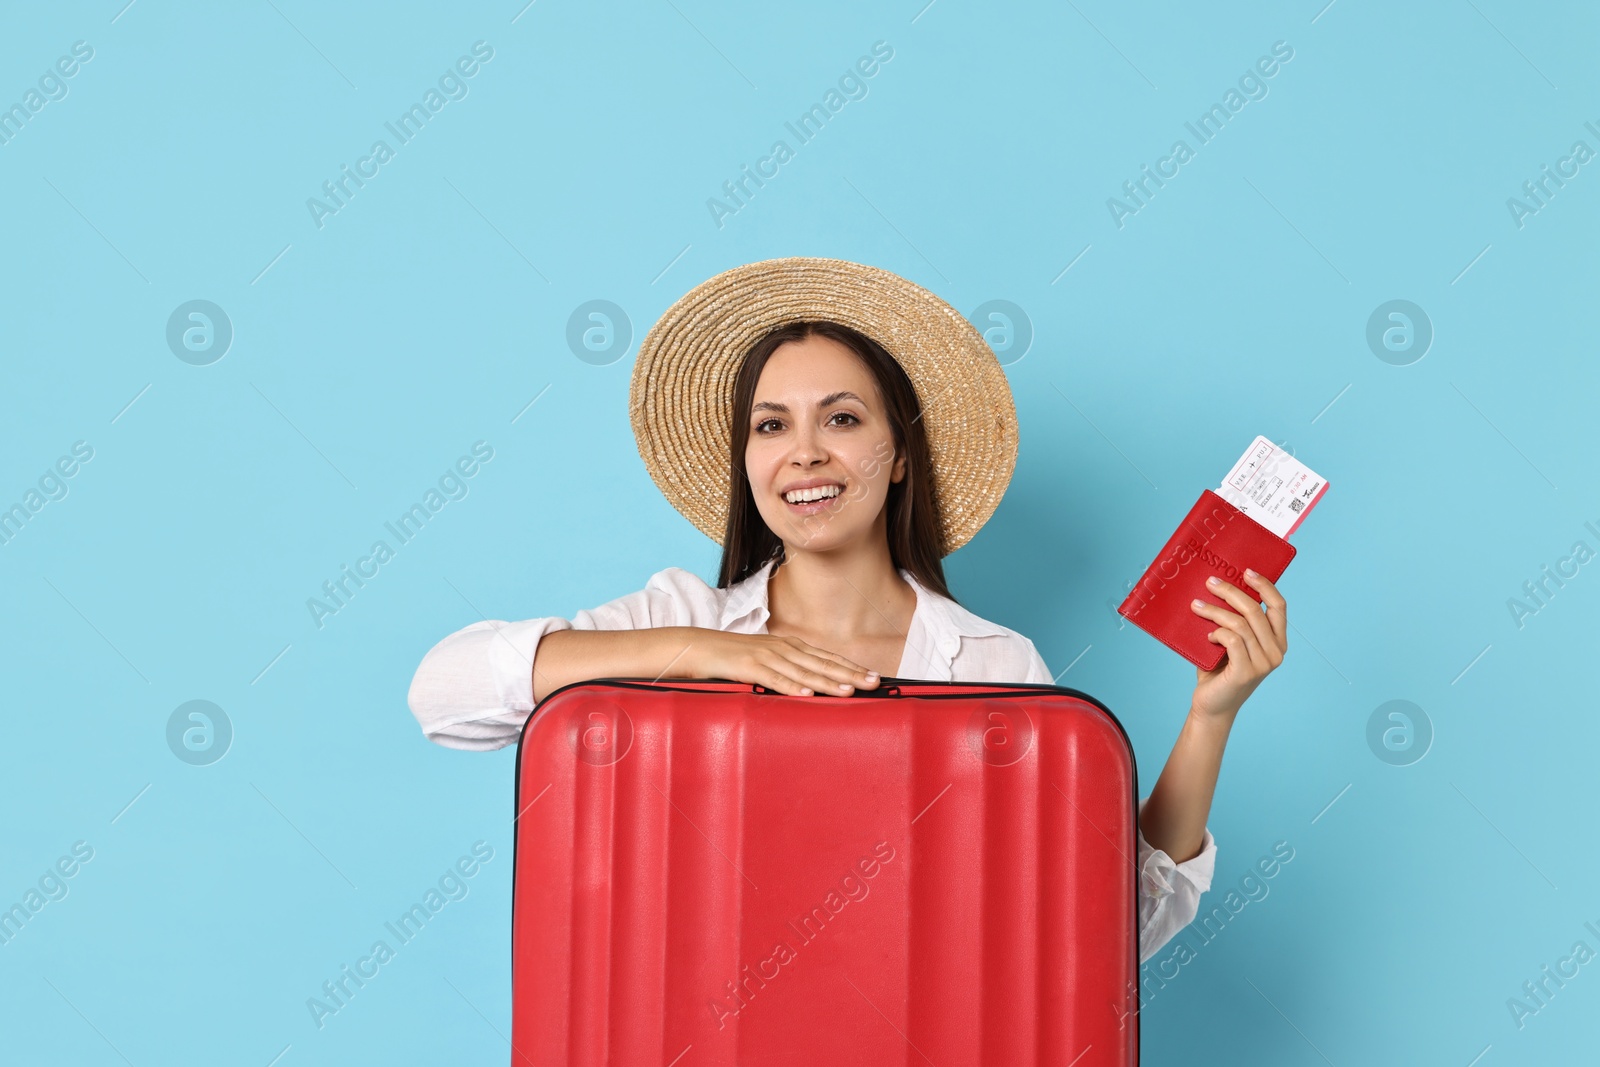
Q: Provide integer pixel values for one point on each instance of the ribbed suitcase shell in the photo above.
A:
(711, 873)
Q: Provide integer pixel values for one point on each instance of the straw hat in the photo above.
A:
(681, 398)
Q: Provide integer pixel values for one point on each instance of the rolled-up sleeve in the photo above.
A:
(474, 689)
(1169, 893)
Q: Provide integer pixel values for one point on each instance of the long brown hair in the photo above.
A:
(916, 535)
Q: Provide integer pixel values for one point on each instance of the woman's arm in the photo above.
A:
(476, 688)
(785, 664)
(1256, 637)
(473, 689)
(567, 656)
(1175, 814)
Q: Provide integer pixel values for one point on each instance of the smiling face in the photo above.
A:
(820, 456)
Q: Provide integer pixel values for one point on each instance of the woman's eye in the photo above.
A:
(845, 414)
(761, 427)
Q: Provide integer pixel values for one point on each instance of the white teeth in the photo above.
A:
(821, 492)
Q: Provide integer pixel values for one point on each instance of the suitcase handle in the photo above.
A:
(881, 691)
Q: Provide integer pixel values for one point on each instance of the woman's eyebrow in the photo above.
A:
(831, 398)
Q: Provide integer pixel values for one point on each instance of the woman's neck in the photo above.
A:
(851, 594)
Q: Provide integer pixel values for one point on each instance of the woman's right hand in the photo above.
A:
(783, 664)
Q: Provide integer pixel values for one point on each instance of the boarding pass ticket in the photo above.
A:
(1272, 487)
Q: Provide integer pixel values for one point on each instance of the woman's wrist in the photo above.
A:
(675, 652)
(1204, 738)
(1209, 726)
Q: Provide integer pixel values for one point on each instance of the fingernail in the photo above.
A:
(1248, 573)
(1197, 602)
(1213, 580)
(805, 692)
(845, 686)
(872, 676)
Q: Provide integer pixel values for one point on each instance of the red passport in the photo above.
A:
(1214, 538)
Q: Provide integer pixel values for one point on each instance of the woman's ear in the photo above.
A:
(898, 471)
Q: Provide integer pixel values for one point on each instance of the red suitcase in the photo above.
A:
(712, 873)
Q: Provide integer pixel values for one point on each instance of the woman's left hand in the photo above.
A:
(1256, 640)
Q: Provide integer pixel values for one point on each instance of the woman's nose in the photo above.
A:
(807, 447)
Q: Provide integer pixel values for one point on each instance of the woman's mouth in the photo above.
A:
(813, 500)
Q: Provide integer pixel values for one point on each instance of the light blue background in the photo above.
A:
(370, 353)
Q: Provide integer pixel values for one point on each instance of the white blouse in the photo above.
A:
(474, 690)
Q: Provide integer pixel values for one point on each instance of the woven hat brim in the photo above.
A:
(681, 395)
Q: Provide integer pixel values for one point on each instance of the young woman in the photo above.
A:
(838, 472)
